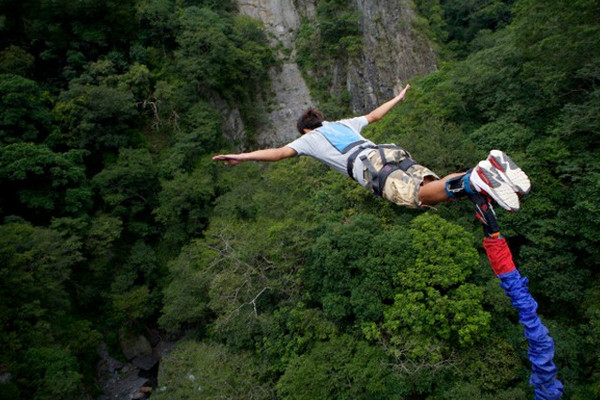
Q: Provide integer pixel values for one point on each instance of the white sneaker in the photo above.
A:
(512, 173)
(486, 179)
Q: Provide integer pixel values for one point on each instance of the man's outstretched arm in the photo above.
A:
(275, 154)
(383, 109)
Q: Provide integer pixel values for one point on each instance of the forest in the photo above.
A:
(288, 280)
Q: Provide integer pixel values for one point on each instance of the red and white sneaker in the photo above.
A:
(512, 173)
(486, 179)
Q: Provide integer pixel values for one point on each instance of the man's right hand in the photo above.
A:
(228, 159)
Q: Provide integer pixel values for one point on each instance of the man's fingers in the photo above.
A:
(226, 158)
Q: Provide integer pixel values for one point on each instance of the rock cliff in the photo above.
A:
(393, 53)
(290, 93)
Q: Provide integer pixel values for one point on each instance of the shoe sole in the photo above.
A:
(486, 178)
(512, 173)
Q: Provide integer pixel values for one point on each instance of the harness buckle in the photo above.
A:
(459, 187)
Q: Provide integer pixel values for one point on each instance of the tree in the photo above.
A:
(31, 256)
(185, 203)
(97, 118)
(214, 51)
(157, 22)
(434, 310)
(343, 368)
(100, 239)
(54, 373)
(73, 32)
(38, 180)
(186, 296)
(15, 60)
(129, 188)
(351, 268)
(24, 111)
(291, 331)
(199, 133)
(462, 25)
(35, 308)
(211, 371)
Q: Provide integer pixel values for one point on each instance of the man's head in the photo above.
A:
(309, 120)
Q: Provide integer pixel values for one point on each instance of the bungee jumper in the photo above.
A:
(387, 169)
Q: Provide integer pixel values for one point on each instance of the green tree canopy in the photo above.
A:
(37, 180)
(215, 52)
(343, 368)
(46, 357)
(97, 118)
(24, 110)
(211, 371)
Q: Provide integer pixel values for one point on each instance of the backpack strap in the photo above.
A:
(352, 158)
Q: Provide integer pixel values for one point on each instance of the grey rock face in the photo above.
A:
(290, 94)
(393, 53)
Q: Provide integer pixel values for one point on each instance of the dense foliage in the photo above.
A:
(108, 116)
(287, 280)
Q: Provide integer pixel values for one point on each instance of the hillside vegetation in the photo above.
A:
(288, 280)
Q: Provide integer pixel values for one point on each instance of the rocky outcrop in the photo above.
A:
(290, 93)
(280, 17)
(393, 53)
(120, 381)
(139, 352)
(136, 377)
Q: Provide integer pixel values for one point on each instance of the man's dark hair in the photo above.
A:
(310, 119)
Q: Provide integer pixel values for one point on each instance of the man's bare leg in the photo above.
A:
(432, 191)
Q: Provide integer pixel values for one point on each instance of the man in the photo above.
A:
(388, 170)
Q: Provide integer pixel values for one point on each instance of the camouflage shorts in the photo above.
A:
(401, 187)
